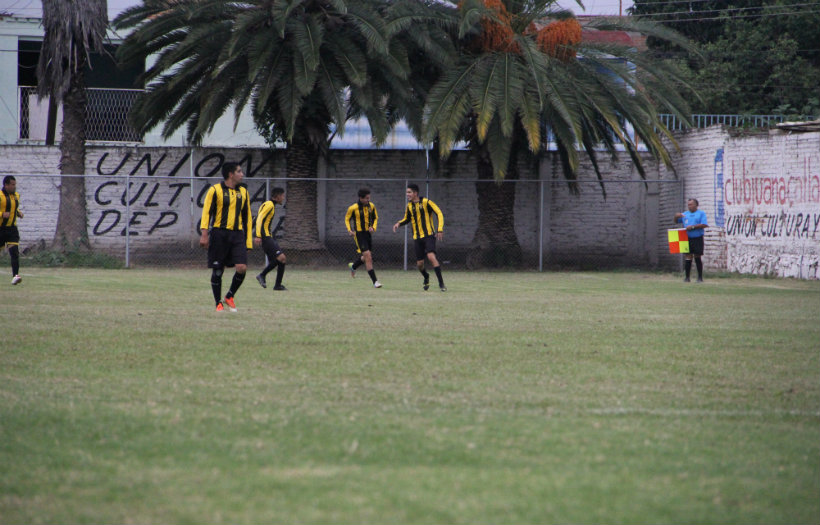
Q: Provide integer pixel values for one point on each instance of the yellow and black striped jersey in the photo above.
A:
(420, 214)
(365, 217)
(229, 209)
(9, 202)
(264, 219)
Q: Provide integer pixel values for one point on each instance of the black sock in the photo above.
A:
(269, 267)
(688, 267)
(280, 271)
(357, 263)
(14, 253)
(216, 285)
(235, 284)
(437, 269)
(425, 275)
(699, 264)
(372, 274)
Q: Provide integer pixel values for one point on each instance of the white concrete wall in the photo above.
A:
(772, 196)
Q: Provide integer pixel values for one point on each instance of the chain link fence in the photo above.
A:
(522, 224)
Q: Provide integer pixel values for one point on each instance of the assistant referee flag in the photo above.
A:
(678, 241)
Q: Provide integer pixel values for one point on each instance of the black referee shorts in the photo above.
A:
(696, 245)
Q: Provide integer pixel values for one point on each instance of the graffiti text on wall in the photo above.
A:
(145, 195)
(746, 187)
(795, 225)
(209, 166)
(145, 207)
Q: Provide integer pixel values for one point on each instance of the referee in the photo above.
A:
(226, 231)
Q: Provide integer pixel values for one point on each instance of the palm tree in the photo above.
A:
(303, 67)
(514, 82)
(72, 31)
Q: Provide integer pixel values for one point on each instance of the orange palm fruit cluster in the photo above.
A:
(498, 36)
(558, 38)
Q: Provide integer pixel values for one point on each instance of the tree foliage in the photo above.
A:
(302, 67)
(761, 57)
(523, 75)
(71, 31)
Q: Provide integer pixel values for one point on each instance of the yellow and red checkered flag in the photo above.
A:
(678, 241)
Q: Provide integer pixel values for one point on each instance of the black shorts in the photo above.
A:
(9, 235)
(696, 245)
(424, 246)
(364, 242)
(227, 248)
(271, 247)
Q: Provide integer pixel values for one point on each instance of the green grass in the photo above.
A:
(512, 398)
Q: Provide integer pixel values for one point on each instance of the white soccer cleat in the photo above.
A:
(377, 284)
(16, 279)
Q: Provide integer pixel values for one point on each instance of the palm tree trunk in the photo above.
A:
(301, 226)
(72, 218)
(495, 243)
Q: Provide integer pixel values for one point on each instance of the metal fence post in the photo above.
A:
(128, 221)
(541, 226)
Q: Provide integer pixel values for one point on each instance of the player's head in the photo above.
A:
(228, 168)
(9, 183)
(277, 194)
(364, 195)
(412, 191)
(692, 204)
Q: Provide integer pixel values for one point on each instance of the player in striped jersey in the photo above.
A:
(226, 231)
(265, 228)
(419, 213)
(9, 235)
(364, 218)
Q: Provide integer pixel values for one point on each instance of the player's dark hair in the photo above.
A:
(7, 179)
(696, 201)
(228, 168)
(276, 191)
(414, 187)
(364, 192)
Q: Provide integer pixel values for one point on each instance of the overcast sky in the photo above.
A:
(33, 8)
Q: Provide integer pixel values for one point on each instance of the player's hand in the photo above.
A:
(257, 241)
(203, 239)
(395, 227)
(351, 233)
(440, 236)
(371, 230)
(5, 215)
(19, 214)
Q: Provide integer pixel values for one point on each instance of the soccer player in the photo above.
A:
(226, 231)
(695, 222)
(264, 237)
(9, 235)
(420, 212)
(364, 219)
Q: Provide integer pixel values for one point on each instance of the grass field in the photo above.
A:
(512, 398)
